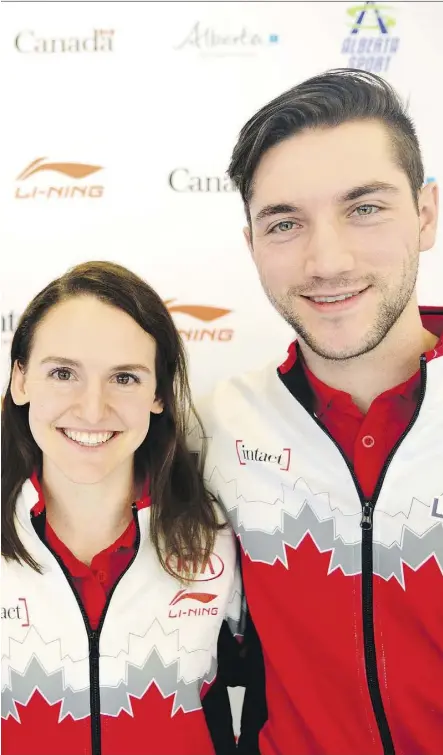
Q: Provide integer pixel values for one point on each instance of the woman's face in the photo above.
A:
(90, 383)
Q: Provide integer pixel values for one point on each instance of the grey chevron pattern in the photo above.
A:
(388, 561)
(113, 699)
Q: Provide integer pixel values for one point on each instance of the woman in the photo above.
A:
(117, 572)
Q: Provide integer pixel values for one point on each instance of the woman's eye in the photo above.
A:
(62, 374)
(284, 226)
(366, 209)
(124, 378)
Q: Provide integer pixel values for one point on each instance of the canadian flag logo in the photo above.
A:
(437, 507)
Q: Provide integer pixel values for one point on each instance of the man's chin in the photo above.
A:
(338, 350)
(335, 344)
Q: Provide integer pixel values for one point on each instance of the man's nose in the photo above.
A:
(327, 254)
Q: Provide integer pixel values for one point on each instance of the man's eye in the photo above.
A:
(366, 209)
(61, 373)
(284, 226)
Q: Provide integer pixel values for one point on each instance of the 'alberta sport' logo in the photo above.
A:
(370, 45)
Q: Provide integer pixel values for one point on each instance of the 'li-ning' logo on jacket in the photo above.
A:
(251, 455)
(205, 570)
(198, 597)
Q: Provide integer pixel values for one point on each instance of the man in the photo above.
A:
(331, 464)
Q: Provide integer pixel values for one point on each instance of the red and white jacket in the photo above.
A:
(346, 594)
(134, 686)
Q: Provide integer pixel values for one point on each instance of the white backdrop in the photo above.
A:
(151, 97)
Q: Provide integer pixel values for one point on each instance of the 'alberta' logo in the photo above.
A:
(251, 455)
(210, 41)
(369, 45)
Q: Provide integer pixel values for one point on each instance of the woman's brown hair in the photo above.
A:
(183, 521)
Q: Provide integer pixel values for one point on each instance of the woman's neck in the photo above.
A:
(88, 518)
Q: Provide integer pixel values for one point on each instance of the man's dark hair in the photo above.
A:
(330, 99)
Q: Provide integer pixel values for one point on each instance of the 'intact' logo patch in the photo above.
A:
(281, 458)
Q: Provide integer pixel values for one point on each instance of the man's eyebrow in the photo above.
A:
(118, 368)
(274, 209)
(348, 196)
(371, 188)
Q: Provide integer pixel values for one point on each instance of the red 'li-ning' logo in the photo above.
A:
(203, 570)
(199, 597)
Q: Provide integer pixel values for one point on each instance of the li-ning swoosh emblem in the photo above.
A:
(200, 312)
(73, 170)
(201, 597)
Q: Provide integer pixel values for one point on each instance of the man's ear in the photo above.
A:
(18, 385)
(428, 214)
(247, 233)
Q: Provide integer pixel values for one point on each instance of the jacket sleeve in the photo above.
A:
(240, 658)
(240, 664)
(216, 703)
(254, 711)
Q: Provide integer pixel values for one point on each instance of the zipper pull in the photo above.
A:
(93, 642)
(366, 520)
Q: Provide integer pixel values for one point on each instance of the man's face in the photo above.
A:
(332, 215)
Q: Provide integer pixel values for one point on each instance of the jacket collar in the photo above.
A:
(293, 376)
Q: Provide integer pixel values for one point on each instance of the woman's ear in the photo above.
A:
(157, 407)
(18, 385)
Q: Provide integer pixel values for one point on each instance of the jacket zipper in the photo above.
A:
(367, 571)
(94, 641)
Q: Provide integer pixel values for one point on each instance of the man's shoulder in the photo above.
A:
(230, 399)
(246, 387)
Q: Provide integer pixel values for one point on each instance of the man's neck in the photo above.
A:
(88, 518)
(391, 363)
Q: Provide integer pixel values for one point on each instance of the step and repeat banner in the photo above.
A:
(118, 123)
